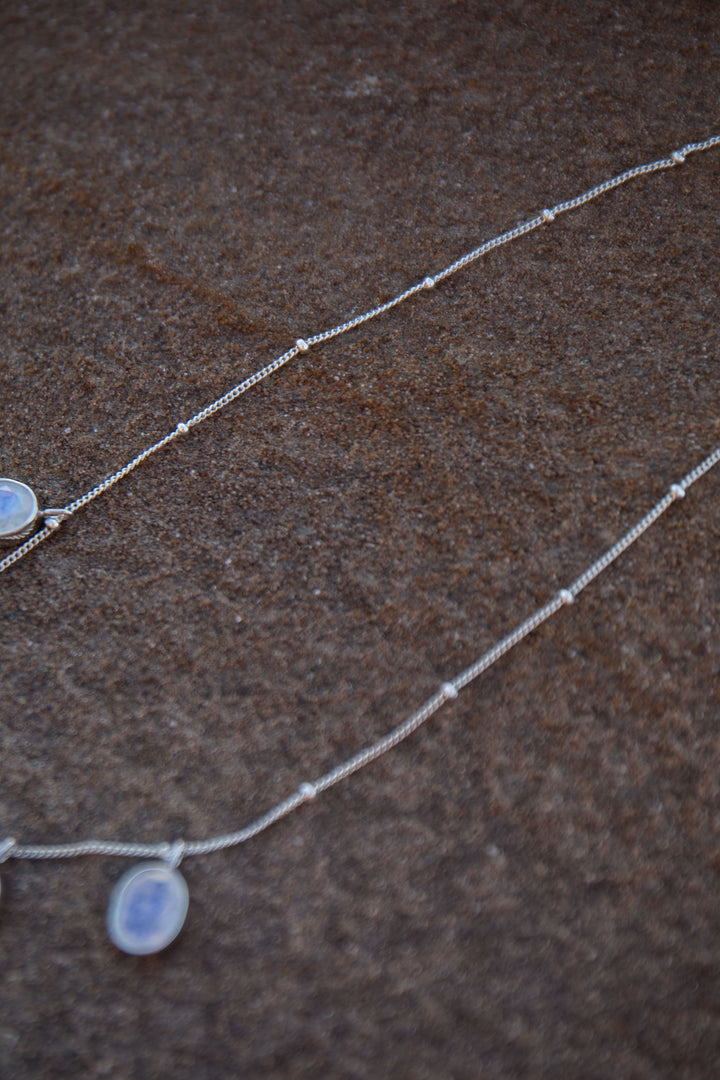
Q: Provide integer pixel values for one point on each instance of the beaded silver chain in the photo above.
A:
(149, 903)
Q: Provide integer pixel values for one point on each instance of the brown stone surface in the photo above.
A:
(527, 887)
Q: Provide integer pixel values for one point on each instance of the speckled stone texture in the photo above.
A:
(528, 887)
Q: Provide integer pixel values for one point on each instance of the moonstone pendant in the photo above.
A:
(147, 908)
(18, 509)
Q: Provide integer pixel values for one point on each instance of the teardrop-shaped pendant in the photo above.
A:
(147, 908)
(18, 509)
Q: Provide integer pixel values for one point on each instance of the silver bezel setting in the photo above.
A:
(27, 523)
(150, 939)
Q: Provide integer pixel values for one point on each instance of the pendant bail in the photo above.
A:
(6, 847)
(172, 854)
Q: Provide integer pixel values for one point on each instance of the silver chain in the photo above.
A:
(54, 518)
(174, 852)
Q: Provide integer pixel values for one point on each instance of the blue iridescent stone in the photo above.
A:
(147, 908)
(18, 509)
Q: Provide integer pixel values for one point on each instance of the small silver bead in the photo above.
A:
(678, 157)
(566, 597)
(677, 491)
(302, 344)
(53, 522)
(449, 690)
(548, 215)
(307, 790)
(182, 428)
(429, 283)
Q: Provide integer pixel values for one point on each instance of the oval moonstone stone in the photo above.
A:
(147, 908)
(18, 508)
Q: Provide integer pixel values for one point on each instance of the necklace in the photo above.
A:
(149, 903)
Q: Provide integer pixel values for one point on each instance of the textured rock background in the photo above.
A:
(528, 887)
